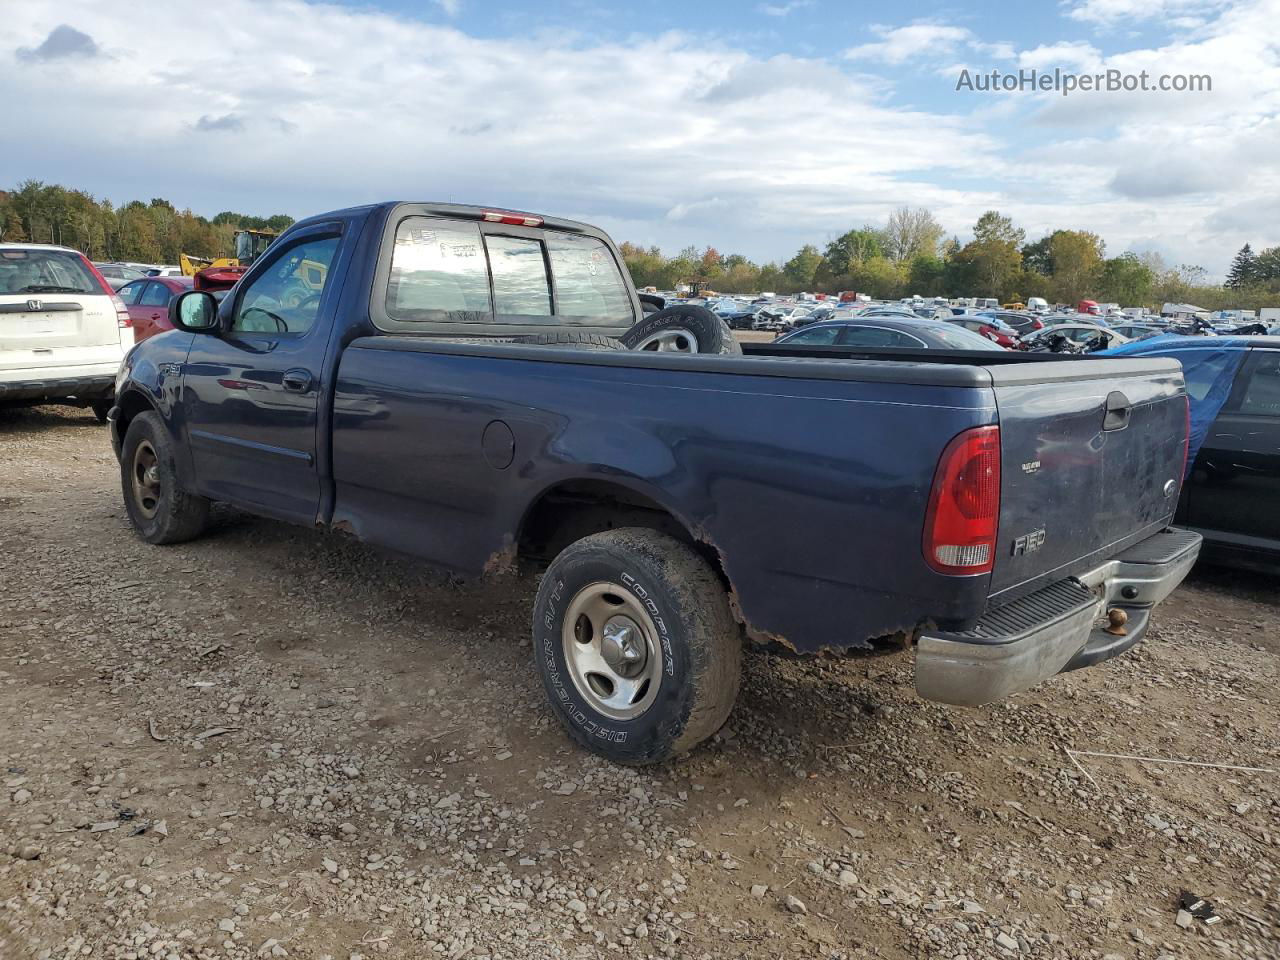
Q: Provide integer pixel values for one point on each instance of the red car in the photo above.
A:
(989, 330)
(148, 303)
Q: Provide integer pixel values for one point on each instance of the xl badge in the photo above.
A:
(1028, 542)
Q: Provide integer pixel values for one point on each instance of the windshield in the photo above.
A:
(45, 271)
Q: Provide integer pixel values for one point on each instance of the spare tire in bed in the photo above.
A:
(573, 340)
(683, 329)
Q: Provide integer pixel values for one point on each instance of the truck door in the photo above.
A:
(1235, 486)
(251, 394)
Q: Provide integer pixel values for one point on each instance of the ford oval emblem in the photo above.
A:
(1169, 487)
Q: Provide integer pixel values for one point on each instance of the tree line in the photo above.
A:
(910, 255)
(152, 232)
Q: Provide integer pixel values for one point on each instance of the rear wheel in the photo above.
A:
(637, 648)
(101, 408)
(161, 512)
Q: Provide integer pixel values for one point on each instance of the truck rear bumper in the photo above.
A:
(1018, 644)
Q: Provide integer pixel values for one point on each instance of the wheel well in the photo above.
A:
(576, 509)
(129, 406)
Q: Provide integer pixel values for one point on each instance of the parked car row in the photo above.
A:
(118, 274)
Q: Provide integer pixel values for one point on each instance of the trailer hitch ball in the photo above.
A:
(1116, 619)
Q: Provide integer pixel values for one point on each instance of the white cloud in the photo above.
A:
(1078, 56)
(1186, 13)
(347, 106)
(899, 44)
(666, 138)
(783, 9)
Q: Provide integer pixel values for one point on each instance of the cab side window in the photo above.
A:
(156, 295)
(130, 292)
(1261, 396)
(284, 298)
(438, 273)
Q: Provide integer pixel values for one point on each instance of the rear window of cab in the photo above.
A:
(446, 271)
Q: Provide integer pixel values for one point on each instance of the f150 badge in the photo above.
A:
(1028, 542)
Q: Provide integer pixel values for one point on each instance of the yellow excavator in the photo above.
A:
(221, 273)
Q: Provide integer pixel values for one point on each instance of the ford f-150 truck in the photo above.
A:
(447, 381)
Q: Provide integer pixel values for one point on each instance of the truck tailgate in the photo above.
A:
(1092, 457)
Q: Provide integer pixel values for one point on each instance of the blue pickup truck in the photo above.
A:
(447, 381)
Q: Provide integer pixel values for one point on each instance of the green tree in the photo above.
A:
(801, 268)
(1035, 256)
(853, 247)
(1244, 269)
(994, 227)
(1075, 258)
(993, 257)
(925, 275)
(911, 233)
(1126, 280)
(880, 277)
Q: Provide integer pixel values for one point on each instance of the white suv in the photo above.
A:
(63, 330)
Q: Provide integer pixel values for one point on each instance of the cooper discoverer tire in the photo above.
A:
(638, 650)
(160, 510)
(683, 329)
(574, 340)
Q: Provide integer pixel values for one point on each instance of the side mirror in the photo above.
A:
(194, 311)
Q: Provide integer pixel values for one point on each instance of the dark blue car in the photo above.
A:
(1232, 493)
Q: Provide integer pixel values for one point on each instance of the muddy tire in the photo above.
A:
(161, 511)
(637, 648)
(571, 340)
(683, 330)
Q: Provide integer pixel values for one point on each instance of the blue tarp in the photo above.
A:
(1209, 365)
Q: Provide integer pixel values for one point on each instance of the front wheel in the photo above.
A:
(637, 648)
(160, 510)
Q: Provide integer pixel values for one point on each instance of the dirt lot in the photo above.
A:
(271, 742)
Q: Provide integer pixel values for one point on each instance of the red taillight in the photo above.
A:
(122, 312)
(518, 219)
(1037, 325)
(964, 504)
(97, 275)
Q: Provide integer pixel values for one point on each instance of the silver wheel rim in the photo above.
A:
(146, 479)
(610, 647)
(670, 341)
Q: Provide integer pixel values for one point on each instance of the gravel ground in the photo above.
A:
(271, 742)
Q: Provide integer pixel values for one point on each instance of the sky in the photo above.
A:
(750, 127)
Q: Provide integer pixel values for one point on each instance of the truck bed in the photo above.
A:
(805, 471)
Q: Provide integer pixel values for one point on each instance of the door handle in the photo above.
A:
(296, 380)
(1118, 408)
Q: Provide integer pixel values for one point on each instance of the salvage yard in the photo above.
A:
(271, 742)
